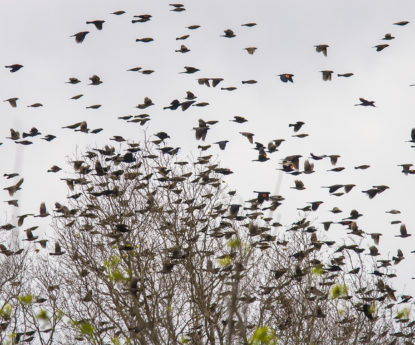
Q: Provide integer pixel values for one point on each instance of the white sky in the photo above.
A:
(36, 35)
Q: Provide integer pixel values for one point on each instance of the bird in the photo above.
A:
(249, 25)
(326, 75)
(54, 169)
(35, 105)
(412, 136)
(42, 211)
(193, 27)
(77, 96)
(145, 39)
(251, 50)
(147, 103)
(322, 48)
(388, 37)
(380, 47)
(403, 232)
(118, 13)
(286, 77)
(228, 33)
(239, 119)
(94, 106)
(182, 37)
(29, 236)
(13, 189)
(216, 81)
(249, 136)
(73, 80)
(190, 70)
(373, 251)
(58, 250)
(296, 126)
(365, 102)
(346, 75)
(14, 68)
(98, 23)
(95, 80)
(401, 23)
(183, 49)
(80, 36)
(12, 101)
(222, 144)
(299, 185)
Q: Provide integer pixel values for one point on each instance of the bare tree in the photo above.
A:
(151, 250)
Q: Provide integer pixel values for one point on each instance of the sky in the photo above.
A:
(37, 34)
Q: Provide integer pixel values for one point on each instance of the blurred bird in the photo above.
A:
(401, 23)
(251, 50)
(228, 33)
(12, 101)
(183, 49)
(13, 189)
(239, 119)
(249, 136)
(249, 25)
(380, 47)
(322, 48)
(326, 75)
(182, 37)
(222, 144)
(299, 185)
(98, 23)
(42, 211)
(145, 39)
(286, 77)
(346, 75)
(95, 80)
(190, 70)
(365, 103)
(403, 232)
(388, 37)
(58, 250)
(14, 68)
(296, 126)
(80, 36)
(73, 81)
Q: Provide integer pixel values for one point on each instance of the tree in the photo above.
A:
(152, 250)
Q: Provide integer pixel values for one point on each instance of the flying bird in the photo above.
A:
(12, 101)
(365, 102)
(322, 48)
(14, 68)
(286, 77)
(80, 36)
(98, 23)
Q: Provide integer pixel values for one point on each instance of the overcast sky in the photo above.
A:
(36, 35)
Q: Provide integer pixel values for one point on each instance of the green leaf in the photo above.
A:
(184, 340)
(116, 341)
(43, 315)
(116, 275)
(225, 261)
(263, 335)
(6, 311)
(86, 328)
(233, 243)
(317, 270)
(25, 299)
(338, 291)
(403, 314)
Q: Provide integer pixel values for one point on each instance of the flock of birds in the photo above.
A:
(294, 165)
